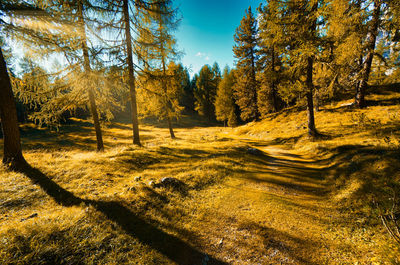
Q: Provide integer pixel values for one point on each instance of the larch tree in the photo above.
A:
(88, 70)
(157, 48)
(12, 156)
(155, 100)
(131, 70)
(245, 52)
(356, 28)
(225, 107)
(372, 35)
(205, 92)
(68, 31)
(271, 34)
(302, 40)
(8, 113)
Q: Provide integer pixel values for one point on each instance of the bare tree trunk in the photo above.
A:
(171, 130)
(273, 83)
(88, 70)
(312, 131)
(96, 122)
(131, 75)
(371, 43)
(9, 121)
(167, 102)
(254, 92)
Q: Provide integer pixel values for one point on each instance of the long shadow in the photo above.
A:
(170, 246)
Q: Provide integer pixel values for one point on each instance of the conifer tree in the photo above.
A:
(206, 90)
(79, 82)
(370, 47)
(245, 52)
(186, 97)
(271, 46)
(12, 155)
(9, 121)
(303, 44)
(131, 72)
(224, 103)
(158, 48)
(88, 70)
(355, 27)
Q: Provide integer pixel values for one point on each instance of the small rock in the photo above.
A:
(152, 183)
(169, 181)
(254, 151)
(221, 242)
(138, 179)
(29, 217)
(131, 189)
(115, 138)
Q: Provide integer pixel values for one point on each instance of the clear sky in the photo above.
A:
(206, 31)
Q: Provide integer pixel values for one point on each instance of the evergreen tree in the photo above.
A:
(355, 27)
(206, 90)
(225, 109)
(271, 33)
(131, 72)
(186, 97)
(245, 52)
(303, 45)
(370, 49)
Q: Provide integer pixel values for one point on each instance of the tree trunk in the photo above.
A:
(9, 121)
(88, 70)
(96, 122)
(171, 130)
(312, 131)
(371, 43)
(254, 82)
(167, 102)
(131, 75)
(273, 85)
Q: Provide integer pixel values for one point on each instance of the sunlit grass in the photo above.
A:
(303, 201)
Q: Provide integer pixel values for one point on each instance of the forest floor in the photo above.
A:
(263, 193)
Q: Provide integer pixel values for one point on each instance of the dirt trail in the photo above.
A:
(276, 211)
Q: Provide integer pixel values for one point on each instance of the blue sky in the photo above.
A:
(206, 31)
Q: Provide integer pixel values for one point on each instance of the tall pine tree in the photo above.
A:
(225, 107)
(245, 52)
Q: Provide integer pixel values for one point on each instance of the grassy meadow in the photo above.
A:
(292, 201)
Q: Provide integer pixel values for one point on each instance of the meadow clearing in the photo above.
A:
(262, 193)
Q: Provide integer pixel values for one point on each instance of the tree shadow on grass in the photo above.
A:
(170, 246)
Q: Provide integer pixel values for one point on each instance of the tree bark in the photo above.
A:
(254, 82)
(8, 113)
(88, 70)
(167, 102)
(312, 131)
(171, 130)
(371, 43)
(273, 83)
(131, 75)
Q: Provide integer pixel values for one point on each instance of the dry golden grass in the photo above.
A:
(302, 201)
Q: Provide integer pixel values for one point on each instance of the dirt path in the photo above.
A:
(276, 211)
